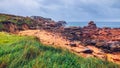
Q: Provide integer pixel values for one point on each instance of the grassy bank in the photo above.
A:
(27, 52)
(15, 19)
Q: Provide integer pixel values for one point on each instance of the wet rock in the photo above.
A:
(88, 51)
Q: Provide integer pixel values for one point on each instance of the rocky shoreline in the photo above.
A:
(88, 40)
(108, 39)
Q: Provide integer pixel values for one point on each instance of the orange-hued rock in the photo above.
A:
(95, 50)
(46, 37)
(9, 27)
(55, 39)
(109, 34)
(114, 57)
(25, 27)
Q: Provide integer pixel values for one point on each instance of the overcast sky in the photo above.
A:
(68, 10)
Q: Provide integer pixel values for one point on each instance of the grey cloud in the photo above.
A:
(70, 10)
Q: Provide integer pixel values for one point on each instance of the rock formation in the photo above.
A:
(91, 25)
(89, 39)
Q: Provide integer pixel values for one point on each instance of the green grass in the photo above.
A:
(15, 19)
(27, 52)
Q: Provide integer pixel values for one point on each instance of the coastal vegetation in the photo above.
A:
(15, 19)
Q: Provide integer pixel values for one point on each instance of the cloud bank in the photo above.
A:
(69, 10)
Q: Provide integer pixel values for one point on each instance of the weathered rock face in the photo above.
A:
(25, 27)
(88, 35)
(61, 23)
(92, 35)
(41, 18)
(48, 24)
(91, 25)
(9, 27)
(12, 27)
(72, 33)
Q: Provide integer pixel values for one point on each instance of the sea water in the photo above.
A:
(99, 24)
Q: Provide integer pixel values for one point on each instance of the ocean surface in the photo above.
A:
(99, 24)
